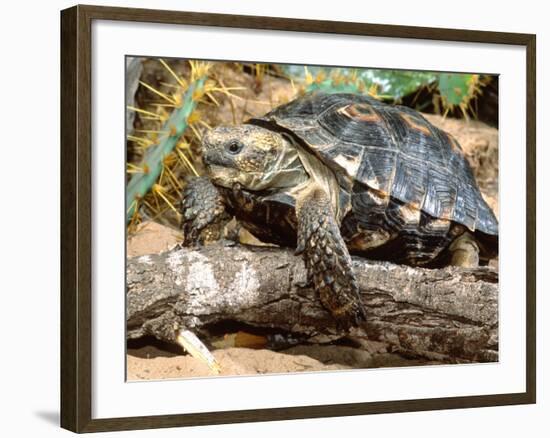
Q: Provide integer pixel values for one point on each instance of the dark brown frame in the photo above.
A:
(76, 174)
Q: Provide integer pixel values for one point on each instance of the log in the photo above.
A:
(448, 314)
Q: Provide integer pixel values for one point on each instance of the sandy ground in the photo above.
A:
(233, 361)
(246, 361)
(153, 362)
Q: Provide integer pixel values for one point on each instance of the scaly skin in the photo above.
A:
(465, 251)
(203, 212)
(327, 258)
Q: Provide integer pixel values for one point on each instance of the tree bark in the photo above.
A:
(447, 314)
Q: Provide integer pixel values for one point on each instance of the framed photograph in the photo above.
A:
(267, 218)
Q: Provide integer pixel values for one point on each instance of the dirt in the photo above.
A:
(150, 362)
(252, 96)
(233, 362)
(152, 238)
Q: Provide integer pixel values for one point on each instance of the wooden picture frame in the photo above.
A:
(76, 218)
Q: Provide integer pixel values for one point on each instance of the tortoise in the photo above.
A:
(334, 174)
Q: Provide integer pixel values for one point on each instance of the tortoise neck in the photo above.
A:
(288, 171)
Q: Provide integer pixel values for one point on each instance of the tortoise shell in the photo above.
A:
(405, 180)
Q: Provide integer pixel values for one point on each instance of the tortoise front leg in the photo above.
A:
(203, 214)
(326, 256)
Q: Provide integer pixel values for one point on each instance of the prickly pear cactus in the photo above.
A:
(458, 90)
(450, 90)
(384, 84)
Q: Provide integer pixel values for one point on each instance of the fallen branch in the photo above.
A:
(447, 314)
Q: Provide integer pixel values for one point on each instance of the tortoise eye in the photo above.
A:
(234, 147)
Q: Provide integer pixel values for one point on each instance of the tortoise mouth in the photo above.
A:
(227, 177)
(221, 175)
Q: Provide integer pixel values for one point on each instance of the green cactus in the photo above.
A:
(141, 183)
(386, 84)
(400, 83)
(453, 89)
(457, 90)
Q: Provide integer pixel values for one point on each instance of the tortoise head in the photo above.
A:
(252, 156)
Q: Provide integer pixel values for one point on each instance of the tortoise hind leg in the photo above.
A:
(465, 251)
(326, 256)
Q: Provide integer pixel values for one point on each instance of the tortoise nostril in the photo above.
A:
(207, 157)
